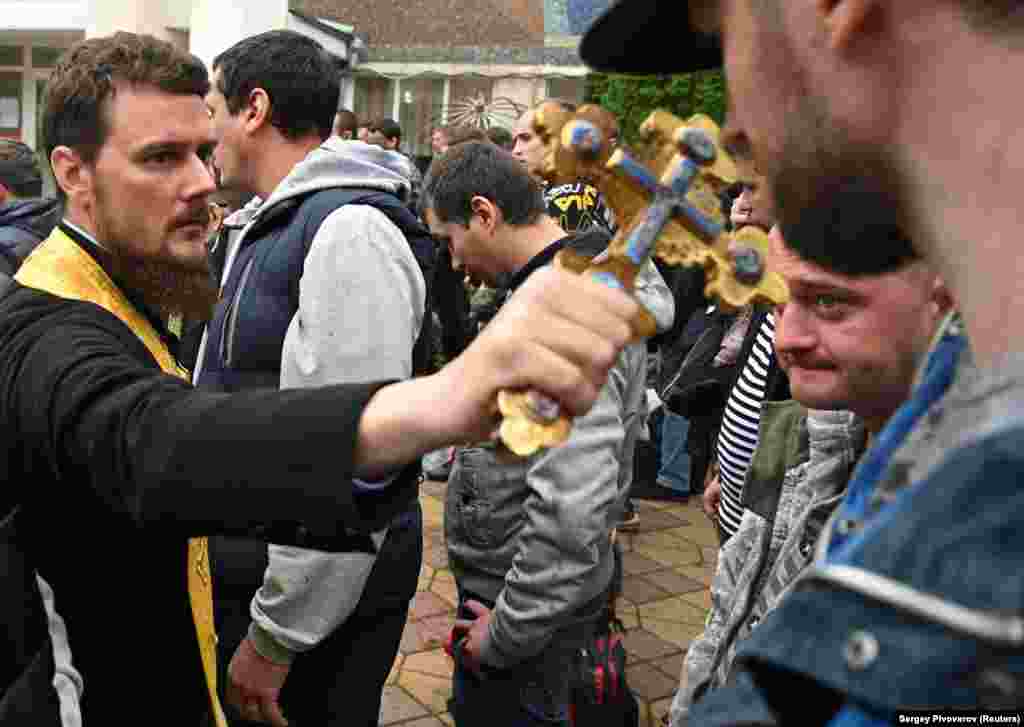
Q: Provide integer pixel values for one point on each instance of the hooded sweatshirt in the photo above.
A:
(361, 304)
(24, 223)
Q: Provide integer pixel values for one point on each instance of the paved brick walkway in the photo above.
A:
(667, 561)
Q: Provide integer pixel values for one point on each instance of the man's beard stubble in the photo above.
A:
(831, 201)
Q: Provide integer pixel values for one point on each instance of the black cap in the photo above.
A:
(388, 127)
(649, 37)
(19, 169)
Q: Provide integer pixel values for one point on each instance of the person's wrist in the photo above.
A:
(266, 646)
(403, 421)
(442, 397)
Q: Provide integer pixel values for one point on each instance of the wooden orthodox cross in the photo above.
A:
(665, 201)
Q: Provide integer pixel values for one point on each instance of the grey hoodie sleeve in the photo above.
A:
(653, 293)
(361, 303)
(563, 559)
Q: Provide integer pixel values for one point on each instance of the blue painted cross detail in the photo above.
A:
(667, 201)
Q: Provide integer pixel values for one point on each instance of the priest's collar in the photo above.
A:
(70, 227)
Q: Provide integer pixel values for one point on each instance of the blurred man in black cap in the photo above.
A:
(866, 113)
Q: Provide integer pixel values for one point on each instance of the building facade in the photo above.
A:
(422, 62)
(474, 62)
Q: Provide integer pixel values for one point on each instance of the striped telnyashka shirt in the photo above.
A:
(737, 439)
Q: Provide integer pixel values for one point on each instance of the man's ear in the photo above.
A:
(257, 110)
(486, 211)
(846, 20)
(71, 173)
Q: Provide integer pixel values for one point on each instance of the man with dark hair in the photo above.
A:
(323, 285)
(386, 133)
(851, 346)
(25, 218)
(439, 140)
(916, 594)
(300, 98)
(346, 124)
(117, 453)
(19, 171)
(528, 540)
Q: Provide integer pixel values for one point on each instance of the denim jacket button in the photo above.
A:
(860, 651)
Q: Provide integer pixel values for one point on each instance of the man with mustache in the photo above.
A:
(850, 345)
(118, 467)
(866, 114)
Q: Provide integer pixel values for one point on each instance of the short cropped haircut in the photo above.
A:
(346, 121)
(388, 127)
(86, 78)
(301, 79)
(482, 169)
(19, 169)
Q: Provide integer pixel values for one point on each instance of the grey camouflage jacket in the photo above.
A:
(813, 453)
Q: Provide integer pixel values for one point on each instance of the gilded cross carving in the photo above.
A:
(664, 196)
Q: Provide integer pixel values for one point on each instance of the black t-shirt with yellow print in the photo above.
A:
(578, 207)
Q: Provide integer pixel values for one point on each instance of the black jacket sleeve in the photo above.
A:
(86, 404)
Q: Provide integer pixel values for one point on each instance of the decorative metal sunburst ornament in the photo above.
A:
(477, 112)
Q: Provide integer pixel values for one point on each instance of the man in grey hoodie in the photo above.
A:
(322, 284)
(529, 540)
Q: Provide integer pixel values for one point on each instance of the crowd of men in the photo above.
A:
(219, 375)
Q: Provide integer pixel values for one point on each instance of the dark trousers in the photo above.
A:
(339, 682)
(532, 693)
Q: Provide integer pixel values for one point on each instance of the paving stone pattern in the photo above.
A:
(668, 561)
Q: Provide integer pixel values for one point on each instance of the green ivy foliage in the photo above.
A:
(633, 98)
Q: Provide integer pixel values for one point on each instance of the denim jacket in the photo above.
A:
(927, 611)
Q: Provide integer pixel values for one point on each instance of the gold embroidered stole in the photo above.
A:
(59, 266)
